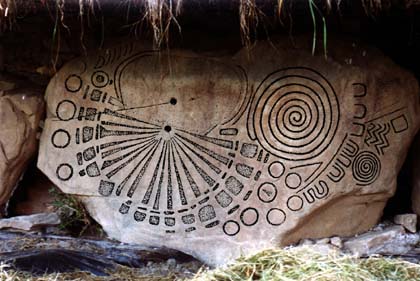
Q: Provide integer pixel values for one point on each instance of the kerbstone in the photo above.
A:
(223, 156)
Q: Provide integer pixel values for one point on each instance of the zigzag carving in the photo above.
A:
(376, 135)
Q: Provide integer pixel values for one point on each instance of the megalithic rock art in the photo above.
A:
(222, 156)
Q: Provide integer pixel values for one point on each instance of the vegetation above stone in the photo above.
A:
(160, 16)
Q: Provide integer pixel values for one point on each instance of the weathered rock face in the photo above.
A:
(222, 156)
(21, 109)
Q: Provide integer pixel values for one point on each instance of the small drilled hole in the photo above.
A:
(168, 128)
(173, 101)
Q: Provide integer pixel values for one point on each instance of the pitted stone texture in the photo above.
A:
(219, 157)
(21, 108)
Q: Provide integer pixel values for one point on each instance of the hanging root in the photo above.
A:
(248, 20)
(160, 14)
(373, 7)
(7, 14)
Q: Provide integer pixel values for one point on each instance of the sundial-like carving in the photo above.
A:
(192, 146)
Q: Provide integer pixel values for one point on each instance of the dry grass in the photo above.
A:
(308, 265)
(300, 263)
(122, 273)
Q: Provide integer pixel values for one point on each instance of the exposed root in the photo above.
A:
(248, 20)
(160, 14)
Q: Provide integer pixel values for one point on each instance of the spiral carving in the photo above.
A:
(366, 167)
(295, 114)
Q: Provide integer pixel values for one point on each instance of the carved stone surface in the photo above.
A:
(222, 156)
(21, 109)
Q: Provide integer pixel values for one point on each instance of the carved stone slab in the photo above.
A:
(223, 156)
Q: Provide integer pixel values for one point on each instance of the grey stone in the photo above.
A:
(408, 221)
(336, 241)
(322, 241)
(324, 249)
(31, 222)
(306, 242)
(390, 241)
(171, 262)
